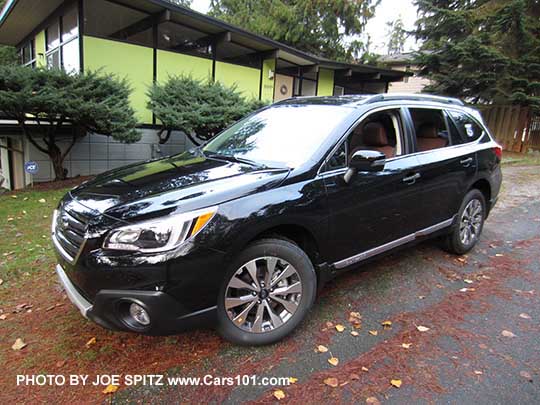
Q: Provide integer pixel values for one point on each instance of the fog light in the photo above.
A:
(139, 314)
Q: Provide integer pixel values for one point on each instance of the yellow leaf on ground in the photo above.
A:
(333, 361)
(396, 383)
(331, 381)
(110, 389)
(355, 333)
(355, 315)
(19, 344)
(373, 332)
(340, 328)
(467, 281)
(386, 324)
(372, 401)
(422, 328)
(322, 349)
(507, 333)
(365, 369)
(91, 342)
(406, 345)
(293, 380)
(525, 316)
(42, 200)
(478, 372)
(279, 394)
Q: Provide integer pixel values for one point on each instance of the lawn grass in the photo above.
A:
(521, 159)
(25, 242)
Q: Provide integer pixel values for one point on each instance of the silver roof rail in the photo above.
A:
(412, 97)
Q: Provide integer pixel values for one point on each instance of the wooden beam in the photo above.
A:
(253, 55)
(142, 25)
(205, 42)
(298, 70)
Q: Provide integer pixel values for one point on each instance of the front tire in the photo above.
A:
(470, 222)
(266, 293)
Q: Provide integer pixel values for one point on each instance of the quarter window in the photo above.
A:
(468, 129)
(339, 159)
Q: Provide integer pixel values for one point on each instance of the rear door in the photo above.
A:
(447, 164)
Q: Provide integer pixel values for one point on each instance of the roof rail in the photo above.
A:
(413, 97)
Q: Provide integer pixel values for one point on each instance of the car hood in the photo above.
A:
(182, 182)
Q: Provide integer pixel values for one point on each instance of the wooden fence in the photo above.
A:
(514, 127)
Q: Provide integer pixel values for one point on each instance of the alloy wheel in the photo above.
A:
(263, 294)
(471, 222)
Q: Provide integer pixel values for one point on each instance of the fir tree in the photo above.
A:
(397, 35)
(485, 51)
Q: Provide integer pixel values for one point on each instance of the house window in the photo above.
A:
(62, 37)
(28, 54)
(104, 19)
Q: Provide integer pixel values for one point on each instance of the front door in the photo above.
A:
(375, 208)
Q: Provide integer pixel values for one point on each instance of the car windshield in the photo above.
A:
(282, 135)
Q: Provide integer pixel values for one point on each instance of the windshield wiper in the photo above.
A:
(236, 159)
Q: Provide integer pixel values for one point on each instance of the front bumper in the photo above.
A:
(109, 309)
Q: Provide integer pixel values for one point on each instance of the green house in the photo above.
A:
(145, 41)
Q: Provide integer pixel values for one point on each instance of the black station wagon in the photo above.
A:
(242, 232)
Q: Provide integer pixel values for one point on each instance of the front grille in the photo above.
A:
(69, 229)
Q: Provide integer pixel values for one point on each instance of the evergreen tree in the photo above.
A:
(316, 26)
(199, 109)
(485, 51)
(90, 102)
(8, 54)
(397, 35)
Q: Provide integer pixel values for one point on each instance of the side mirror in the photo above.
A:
(365, 161)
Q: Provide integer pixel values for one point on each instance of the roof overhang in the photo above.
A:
(19, 18)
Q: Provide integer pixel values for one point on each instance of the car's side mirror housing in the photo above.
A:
(365, 161)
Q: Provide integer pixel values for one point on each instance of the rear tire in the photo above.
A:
(469, 224)
(267, 292)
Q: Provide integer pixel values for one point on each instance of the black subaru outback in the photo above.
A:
(243, 231)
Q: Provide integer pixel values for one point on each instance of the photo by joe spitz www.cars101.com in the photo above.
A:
(243, 232)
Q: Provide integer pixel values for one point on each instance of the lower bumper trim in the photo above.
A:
(77, 299)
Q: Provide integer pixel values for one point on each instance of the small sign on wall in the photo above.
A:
(31, 167)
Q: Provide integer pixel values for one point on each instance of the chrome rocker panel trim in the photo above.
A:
(393, 244)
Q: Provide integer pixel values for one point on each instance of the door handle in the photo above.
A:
(412, 179)
(466, 162)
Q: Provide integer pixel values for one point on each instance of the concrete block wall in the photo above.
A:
(96, 154)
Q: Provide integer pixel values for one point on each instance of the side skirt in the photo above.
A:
(391, 245)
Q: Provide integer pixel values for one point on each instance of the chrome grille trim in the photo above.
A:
(69, 237)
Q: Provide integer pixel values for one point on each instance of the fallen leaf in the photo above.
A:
(322, 349)
(60, 363)
(13, 196)
(1, 281)
(406, 345)
(356, 315)
(3, 317)
(354, 376)
(396, 383)
(464, 290)
(331, 382)
(91, 342)
(499, 255)
(525, 316)
(329, 324)
(279, 394)
(478, 372)
(42, 200)
(422, 328)
(293, 380)
(333, 361)
(19, 344)
(421, 297)
(507, 333)
(110, 389)
(386, 324)
(372, 401)
(526, 375)
(355, 333)
(365, 369)
(467, 281)
(373, 332)
(340, 328)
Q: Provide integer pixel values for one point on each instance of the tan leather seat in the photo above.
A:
(427, 138)
(374, 137)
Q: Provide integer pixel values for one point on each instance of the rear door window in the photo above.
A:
(430, 128)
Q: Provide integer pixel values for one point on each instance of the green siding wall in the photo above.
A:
(40, 49)
(267, 83)
(246, 79)
(125, 60)
(170, 63)
(325, 86)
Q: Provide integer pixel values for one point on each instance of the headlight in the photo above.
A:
(159, 235)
